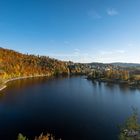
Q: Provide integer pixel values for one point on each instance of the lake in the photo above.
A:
(72, 108)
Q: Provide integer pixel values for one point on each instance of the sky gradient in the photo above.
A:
(76, 30)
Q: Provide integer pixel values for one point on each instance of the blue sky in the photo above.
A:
(76, 30)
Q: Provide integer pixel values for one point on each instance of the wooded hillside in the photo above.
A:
(14, 64)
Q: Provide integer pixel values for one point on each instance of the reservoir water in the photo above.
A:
(72, 108)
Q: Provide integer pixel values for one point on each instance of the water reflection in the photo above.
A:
(124, 88)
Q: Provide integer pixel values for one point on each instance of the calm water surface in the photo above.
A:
(72, 108)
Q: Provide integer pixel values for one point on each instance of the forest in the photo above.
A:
(14, 64)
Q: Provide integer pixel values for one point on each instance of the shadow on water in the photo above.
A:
(113, 86)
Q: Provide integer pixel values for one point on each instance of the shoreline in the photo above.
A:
(3, 86)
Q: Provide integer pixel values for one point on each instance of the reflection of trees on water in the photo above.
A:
(18, 84)
(124, 88)
(22, 83)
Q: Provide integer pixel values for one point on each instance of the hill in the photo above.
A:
(14, 64)
(126, 64)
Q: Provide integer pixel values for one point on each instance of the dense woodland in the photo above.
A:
(14, 64)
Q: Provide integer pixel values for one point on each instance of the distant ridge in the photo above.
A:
(119, 64)
(125, 64)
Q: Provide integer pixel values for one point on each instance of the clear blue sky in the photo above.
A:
(77, 30)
